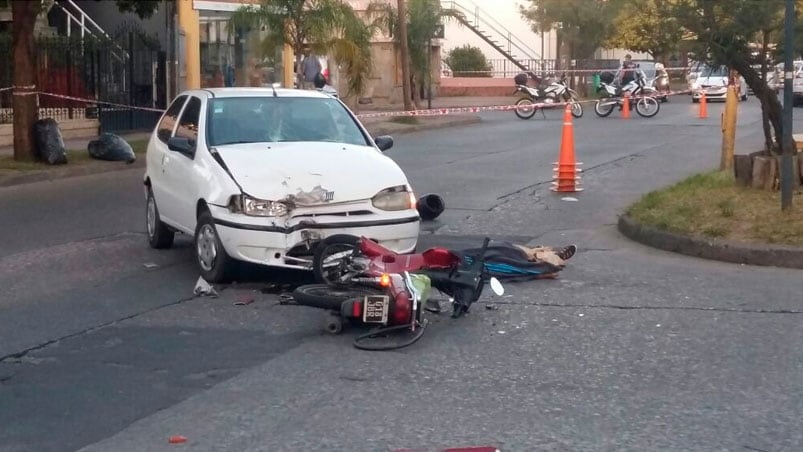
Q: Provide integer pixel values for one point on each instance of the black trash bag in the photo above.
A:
(430, 206)
(49, 142)
(111, 147)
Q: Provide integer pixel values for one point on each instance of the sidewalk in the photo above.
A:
(74, 144)
(443, 102)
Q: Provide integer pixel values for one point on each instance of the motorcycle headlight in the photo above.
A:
(257, 207)
(395, 198)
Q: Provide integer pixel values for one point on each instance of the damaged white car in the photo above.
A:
(262, 175)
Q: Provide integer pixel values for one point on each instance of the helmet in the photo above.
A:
(319, 81)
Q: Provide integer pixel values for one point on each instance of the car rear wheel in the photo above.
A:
(214, 263)
(159, 234)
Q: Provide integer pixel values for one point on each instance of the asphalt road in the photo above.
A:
(103, 347)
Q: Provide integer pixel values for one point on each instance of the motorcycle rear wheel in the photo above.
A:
(525, 108)
(324, 296)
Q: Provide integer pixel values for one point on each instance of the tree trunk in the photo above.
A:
(765, 119)
(417, 91)
(765, 173)
(24, 102)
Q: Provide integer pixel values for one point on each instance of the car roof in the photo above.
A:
(260, 92)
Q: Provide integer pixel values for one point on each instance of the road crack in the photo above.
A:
(653, 308)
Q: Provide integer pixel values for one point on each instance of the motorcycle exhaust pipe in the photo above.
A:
(430, 206)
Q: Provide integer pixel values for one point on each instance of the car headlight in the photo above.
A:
(395, 198)
(257, 207)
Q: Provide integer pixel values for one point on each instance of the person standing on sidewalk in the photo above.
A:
(310, 67)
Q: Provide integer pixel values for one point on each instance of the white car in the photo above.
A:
(714, 82)
(262, 175)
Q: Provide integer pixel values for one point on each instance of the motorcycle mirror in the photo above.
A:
(497, 286)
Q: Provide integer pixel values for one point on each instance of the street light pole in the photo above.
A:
(788, 148)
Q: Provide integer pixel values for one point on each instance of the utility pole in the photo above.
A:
(405, 55)
(788, 148)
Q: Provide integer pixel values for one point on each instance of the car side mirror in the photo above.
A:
(182, 145)
(384, 142)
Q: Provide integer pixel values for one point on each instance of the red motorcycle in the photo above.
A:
(363, 282)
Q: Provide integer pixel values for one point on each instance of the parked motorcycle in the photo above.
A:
(613, 96)
(555, 92)
(660, 83)
(361, 281)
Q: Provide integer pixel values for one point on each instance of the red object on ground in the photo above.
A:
(177, 439)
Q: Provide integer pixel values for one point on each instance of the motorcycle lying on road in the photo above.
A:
(362, 282)
(555, 92)
(636, 90)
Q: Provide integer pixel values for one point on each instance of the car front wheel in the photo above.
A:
(214, 263)
(159, 234)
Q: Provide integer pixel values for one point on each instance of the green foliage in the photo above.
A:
(646, 26)
(326, 26)
(582, 24)
(468, 61)
(425, 16)
(142, 8)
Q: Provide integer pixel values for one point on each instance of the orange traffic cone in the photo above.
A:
(565, 178)
(626, 107)
(703, 106)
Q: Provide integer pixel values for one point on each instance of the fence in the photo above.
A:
(504, 68)
(127, 69)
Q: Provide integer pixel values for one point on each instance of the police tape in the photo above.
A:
(566, 71)
(387, 114)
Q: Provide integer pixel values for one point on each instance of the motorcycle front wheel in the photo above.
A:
(647, 107)
(331, 256)
(525, 108)
(604, 107)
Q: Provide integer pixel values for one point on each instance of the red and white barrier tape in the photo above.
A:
(384, 114)
(561, 71)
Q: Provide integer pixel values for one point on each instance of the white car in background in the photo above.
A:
(713, 80)
(262, 175)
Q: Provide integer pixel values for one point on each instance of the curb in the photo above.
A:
(422, 127)
(51, 175)
(713, 249)
(105, 167)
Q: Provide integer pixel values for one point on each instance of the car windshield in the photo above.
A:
(234, 120)
(718, 71)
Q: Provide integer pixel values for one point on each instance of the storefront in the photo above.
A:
(213, 53)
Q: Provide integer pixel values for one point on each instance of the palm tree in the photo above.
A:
(325, 26)
(424, 18)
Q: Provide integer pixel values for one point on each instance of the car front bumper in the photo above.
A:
(710, 93)
(281, 243)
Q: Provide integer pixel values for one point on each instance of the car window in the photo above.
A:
(272, 119)
(719, 71)
(188, 126)
(169, 120)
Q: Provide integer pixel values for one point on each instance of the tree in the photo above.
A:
(582, 24)
(468, 61)
(325, 26)
(723, 34)
(646, 26)
(24, 101)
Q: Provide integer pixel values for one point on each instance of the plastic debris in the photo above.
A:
(569, 198)
(203, 288)
(580, 315)
(150, 265)
(111, 147)
(49, 141)
(491, 307)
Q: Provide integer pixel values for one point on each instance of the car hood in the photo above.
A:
(712, 81)
(306, 171)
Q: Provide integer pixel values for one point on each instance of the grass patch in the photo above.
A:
(404, 120)
(74, 157)
(710, 205)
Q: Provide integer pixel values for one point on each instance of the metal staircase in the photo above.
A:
(76, 17)
(491, 31)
